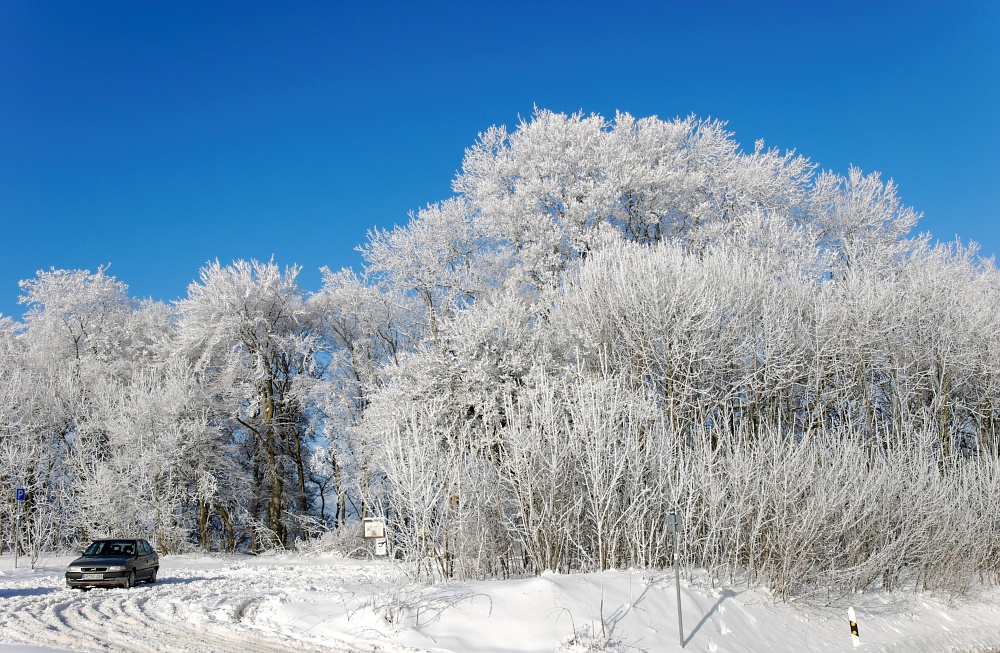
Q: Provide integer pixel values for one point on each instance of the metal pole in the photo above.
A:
(17, 531)
(677, 579)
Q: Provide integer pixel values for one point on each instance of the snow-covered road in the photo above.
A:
(197, 605)
(325, 603)
(144, 621)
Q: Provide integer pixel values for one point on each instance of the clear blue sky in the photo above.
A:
(156, 136)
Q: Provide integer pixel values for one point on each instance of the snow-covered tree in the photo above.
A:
(249, 334)
(609, 322)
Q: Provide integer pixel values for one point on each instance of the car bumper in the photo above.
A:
(109, 579)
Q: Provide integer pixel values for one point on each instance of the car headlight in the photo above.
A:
(116, 568)
(75, 569)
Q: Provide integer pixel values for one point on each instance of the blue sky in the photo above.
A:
(156, 136)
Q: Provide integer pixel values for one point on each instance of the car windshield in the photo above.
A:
(111, 548)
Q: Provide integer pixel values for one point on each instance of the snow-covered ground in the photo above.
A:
(283, 603)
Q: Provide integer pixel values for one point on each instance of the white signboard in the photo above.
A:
(374, 528)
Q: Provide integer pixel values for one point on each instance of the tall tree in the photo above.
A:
(250, 334)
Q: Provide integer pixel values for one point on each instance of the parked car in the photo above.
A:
(121, 562)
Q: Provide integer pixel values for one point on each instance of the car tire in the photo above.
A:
(130, 580)
(152, 576)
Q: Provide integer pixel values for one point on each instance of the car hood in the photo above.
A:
(100, 561)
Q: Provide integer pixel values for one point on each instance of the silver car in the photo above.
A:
(121, 562)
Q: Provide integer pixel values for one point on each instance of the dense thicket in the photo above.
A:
(609, 322)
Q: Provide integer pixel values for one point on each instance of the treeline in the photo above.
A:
(609, 322)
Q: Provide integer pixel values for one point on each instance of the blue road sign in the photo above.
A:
(20, 494)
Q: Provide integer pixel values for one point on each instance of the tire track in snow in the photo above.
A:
(41, 625)
(217, 636)
(75, 624)
(133, 621)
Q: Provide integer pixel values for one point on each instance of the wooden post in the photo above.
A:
(674, 526)
(677, 581)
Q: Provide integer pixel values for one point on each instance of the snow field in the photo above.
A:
(283, 603)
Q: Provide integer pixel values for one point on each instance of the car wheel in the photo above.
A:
(130, 580)
(152, 576)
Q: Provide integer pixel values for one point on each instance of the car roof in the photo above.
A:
(129, 540)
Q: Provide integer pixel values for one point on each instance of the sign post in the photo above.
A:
(19, 496)
(674, 525)
(375, 530)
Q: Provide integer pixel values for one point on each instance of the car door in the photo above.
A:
(141, 560)
(154, 558)
(149, 558)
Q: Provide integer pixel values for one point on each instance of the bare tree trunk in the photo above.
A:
(203, 521)
(272, 473)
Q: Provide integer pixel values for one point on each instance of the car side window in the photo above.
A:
(144, 547)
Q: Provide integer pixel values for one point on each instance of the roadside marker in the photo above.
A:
(853, 618)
